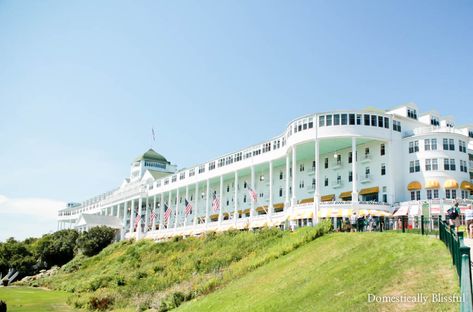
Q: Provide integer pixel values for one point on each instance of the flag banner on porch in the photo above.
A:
(188, 207)
(215, 202)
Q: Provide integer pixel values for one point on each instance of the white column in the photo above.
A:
(155, 206)
(161, 212)
(287, 201)
(317, 182)
(220, 211)
(140, 212)
(354, 191)
(195, 209)
(146, 214)
(132, 217)
(169, 207)
(252, 209)
(235, 200)
(390, 173)
(270, 204)
(124, 219)
(207, 204)
(186, 198)
(294, 164)
(176, 221)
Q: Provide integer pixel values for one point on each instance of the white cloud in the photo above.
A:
(26, 217)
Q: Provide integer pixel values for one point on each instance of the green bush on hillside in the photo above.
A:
(56, 248)
(96, 239)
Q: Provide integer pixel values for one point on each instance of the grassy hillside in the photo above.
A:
(336, 273)
(144, 274)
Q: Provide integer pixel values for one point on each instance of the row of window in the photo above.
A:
(432, 164)
(357, 119)
(434, 194)
(431, 145)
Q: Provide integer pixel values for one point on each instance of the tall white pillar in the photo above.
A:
(287, 199)
(195, 209)
(207, 203)
(161, 212)
(125, 212)
(317, 182)
(220, 211)
(140, 212)
(146, 214)
(354, 191)
(235, 200)
(155, 208)
(176, 221)
(294, 164)
(168, 223)
(132, 217)
(186, 198)
(252, 209)
(270, 204)
(390, 173)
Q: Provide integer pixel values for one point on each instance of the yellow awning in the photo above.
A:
(334, 212)
(262, 209)
(345, 194)
(432, 184)
(278, 206)
(305, 214)
(466, 186)
(369, 190)
(414, 186)
(329, 197)
(306, 200)
(244, 211)
(450, 184)
(214, 217)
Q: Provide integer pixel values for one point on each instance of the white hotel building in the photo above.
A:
(323, 165)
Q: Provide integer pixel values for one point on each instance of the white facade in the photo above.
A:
(307, 173)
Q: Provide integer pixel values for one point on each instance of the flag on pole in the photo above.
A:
(188, 207)
(167, 213)
(215, 202)
(252, 194)
(154, 136)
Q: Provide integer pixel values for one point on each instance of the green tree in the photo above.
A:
(57, 248)
(96, 239)
(16, 255)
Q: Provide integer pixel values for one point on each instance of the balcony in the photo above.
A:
(337, 184)
(338, 165)
(365, 158)
(366, 178)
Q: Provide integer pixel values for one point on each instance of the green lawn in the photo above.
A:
(26, 299)
(337, 272)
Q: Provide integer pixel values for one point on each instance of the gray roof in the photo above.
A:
(96, 220)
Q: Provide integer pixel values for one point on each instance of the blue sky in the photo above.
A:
(83, 82)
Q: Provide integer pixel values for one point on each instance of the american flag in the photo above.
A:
(188, 207)
(152, 217)
(167, 213)
(252, 194)
(137, 220)
(215, 202)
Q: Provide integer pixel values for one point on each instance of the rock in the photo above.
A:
(42, 271)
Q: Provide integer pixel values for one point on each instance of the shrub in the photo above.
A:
(57, 248)
(96, 239)
(100, 304)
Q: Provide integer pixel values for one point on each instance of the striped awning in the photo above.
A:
(262, 209)
(466, 186)
(329, 197)
(306, 200)
(345, 194)
(335, 212)
(369, 190)
(278, 206)
(432, 184)
(373, 212)
(304, 214)
(450, 184)
(414, 186)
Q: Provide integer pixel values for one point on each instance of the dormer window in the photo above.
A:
(434, 121)
(412, 113)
